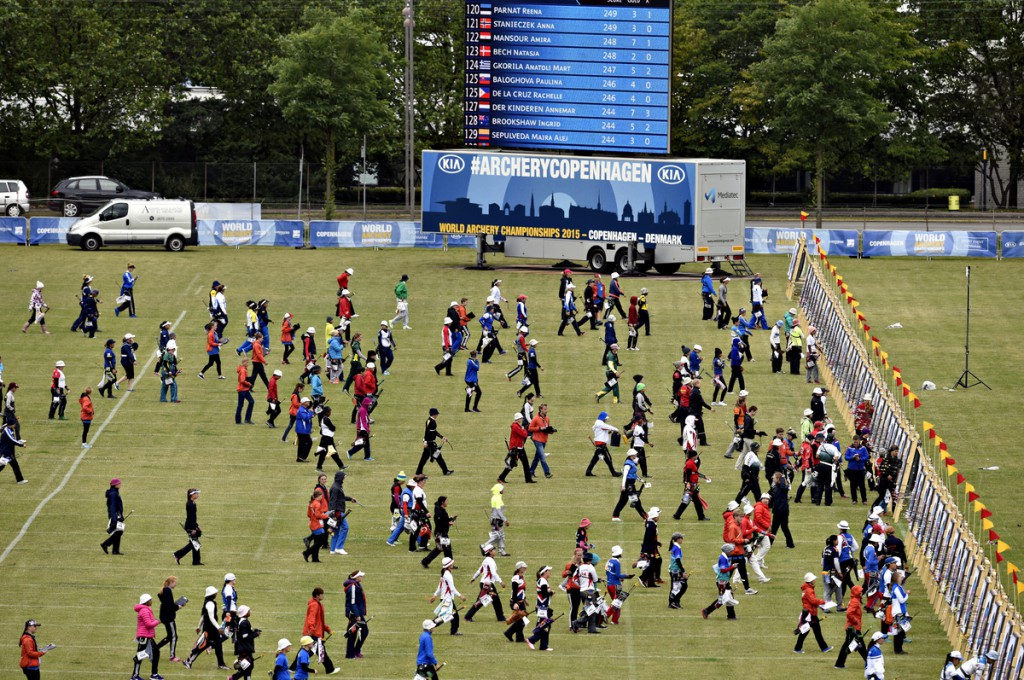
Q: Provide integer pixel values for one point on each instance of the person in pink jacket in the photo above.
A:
(145, 630)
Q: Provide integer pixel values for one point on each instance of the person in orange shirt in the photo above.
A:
(85, 401)
(854, 614)
(213, 344)
(809, 616)
(259, 361)
(293, 408)
(288, 330)
(315, 628)
(317, 513)
(464, 318)
(732, 533)
(244, 390)
(30, 654)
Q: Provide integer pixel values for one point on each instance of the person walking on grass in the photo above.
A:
(317, 513)
(273, 401)
(193, 530)
(723, 574)
(473, 382)
(611, 374)
(244, 391)
(85, 294)
(58, 391)
(245, 644)
(402, 303)
(115, 518)
(209, 632)
(85, 402)
(128, 360)
(602, 435)
(532, 378)
(9, 441)
(362, 440)
(168, 366)
(326, 445)
(355, 611)
(808, 620)
(30, 652)
(37, 309)
(288, 331)
(213, 345)
(169, 616)
(145, 631)
(127, 295)
(109, 381)
(315, 626)
(304, 430)
(295, 401)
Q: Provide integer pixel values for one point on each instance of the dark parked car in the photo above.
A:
(77, 196)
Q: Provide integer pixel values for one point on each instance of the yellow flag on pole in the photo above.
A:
(1012, 568)
(951, 470)
(924, 423)
(969, 488)
(1002, 547)
(986, 524)
(978, 506)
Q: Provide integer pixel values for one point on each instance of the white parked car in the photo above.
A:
(138, 222)
(14, 197)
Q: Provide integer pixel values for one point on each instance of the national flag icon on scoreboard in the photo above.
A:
(485, 50)
(485, 64)
(485, 78)
(484, 120)
(483, 134)
(485, 106)
(485, 93)
(485, 9)
(485, 22)
(485, 35)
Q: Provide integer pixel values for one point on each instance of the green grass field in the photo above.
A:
(254, 496)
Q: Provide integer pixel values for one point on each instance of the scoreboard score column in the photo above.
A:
(568, 75)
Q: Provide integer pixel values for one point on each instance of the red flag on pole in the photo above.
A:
(950, 461)
(985, 513)
(999, 557)
(971, 496)
(960, 479)
(804, 216)
(942, 446)
(992, 535)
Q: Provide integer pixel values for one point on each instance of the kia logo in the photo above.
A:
(671, 174)
(711, 196)
(451, 164)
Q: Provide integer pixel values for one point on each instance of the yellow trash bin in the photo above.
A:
(954, 202)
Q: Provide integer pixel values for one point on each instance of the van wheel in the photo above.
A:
(175, 244)
(91, 242)
(622, 261)
(13, 210)
(666, 269)
(70, 209)
(597, 260)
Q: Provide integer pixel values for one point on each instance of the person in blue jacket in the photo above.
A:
(304, 659)
(355, 609)
(304, 429)
(569, 310)
(426, 662)
(336, 358)
(610, 338)
(745, 327)
(86, 292)
(316, 389)
(614, 293)
(676, 572)
(161, 343)
(736, 364)
(473, 382)
(522, 316)
(613, 580)
(128, 280)
(857, 458)
(281, 671)
(109, 382)
(695, 360)
(707, 292)
(91, 313)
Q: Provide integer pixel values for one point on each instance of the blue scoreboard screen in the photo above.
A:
(568, 75)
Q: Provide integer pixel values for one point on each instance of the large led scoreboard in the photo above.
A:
(568, 75)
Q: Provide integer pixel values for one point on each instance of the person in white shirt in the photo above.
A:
(489, 582)
(602, 434)
(586, 575)
(447, 592)
(775, 342)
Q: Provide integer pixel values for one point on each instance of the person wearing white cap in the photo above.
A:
(273, 401)
(37, 308)
(630, 488)
(58, 391)
(281, 664)
(386, 347)
(84, 296)
(209, 632)
(614, 293)
(808, 620)
(517, 449)
(229, 600)
(128, 360)
(531, 370)
(900, 619)
(343, 278)
(863, 414)
(971, 667)
(811, 358)
(168, 368)
(545, 617)
(426, 662)
(304, 429)
(707, 292)
(447, 592)
(145, 631)
(191, 527)
(346, 312)
(951, 669)
(650, 550)
(355, 609)
(724, 314)
(569, 310)
(245, 644)
(874, 668)
(450, 343)
(489, 582)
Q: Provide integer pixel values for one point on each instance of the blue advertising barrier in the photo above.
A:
(365, 234)
(930, 243)
(50, 229)
(771, 241)
(13, 230)
(287, 233)
(1013, 244)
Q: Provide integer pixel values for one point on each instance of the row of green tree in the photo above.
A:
(871, 87)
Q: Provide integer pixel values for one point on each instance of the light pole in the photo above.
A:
(410, 149)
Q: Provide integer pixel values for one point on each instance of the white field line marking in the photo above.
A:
(81, 456)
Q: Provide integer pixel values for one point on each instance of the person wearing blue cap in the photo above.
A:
(602, 434)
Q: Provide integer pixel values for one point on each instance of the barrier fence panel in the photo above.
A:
(772, 241)
(287, 233)
(13, 230)
(49, 229)
(962, 583)
(1012, 244)
(930, 243)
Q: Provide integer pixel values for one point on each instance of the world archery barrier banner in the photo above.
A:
(930, 243)
(13, 230)
(579, 198)
(49, 229)
(1013, 244)
(959, 572)
(772, 241)
(380, 234)
(287, 233)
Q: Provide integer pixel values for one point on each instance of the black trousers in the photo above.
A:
(697, 505)
(432, 555)
(884, 486)
(171, 627)
(600, 452)
(807, 617)
(186, 549)
(776, 360)
(824, 486)
(58, 403)
(533, 384)
(844, 651)
(305, 446)
(15, 468)
(328, 664)
(488, 589)
(569, 319)
(644, 317)
(794, 360)
(208, 638)
(446, 364)
(856, 479)
(575, 599)
(247, 673)
(473, 389)
(653, 571)
(678, 589)
(259, 370)
(780, 520)
(540, 636)
(751, 484)
(428, 453)
(709, 307)
(624, 499)
(515, 632)
(741, 566)
(147, 645)
(517, 455)
(736, 375)
(113, 541)
(214, 360)
(729, 609)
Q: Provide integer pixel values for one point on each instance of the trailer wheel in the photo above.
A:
(597, 260)
(666, 269)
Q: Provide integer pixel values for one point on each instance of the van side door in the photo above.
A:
(115, 224)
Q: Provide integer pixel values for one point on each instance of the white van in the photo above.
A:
(156, 222)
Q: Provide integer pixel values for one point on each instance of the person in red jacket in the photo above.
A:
(809, 616)
(854, 614)
(346, 312)
(315, 627)
(85, 401)
(30, 654)
(145, 630)
(317, 514)
(754, 538)
(763, 526)
(633, 324)
(343, 279)
(273, 401)
(731, 533)
(517, 450)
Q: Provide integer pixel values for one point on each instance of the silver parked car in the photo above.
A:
(14, 197)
